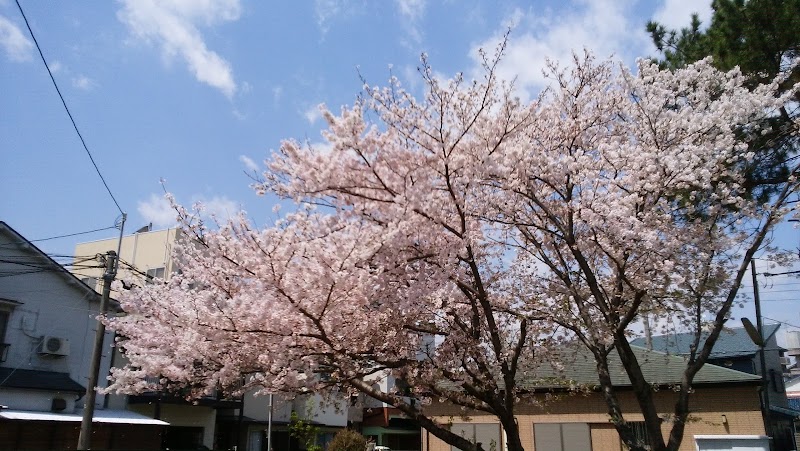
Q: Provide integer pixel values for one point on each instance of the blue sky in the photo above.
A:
(198, 92)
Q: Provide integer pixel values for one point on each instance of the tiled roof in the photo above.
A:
(790, 412)
(732, 342)
(658, 369)
(578, 370)
(39, 380)
(23, 245)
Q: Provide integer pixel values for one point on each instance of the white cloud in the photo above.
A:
(410, 78)
(312, 114)
(221, 208)
(156, 209)
(277, 93)
(249, 163)
(676, 14)
(606, 27)
(325, 11)
(413, 9)
(14, 42)
(411, 12)
(321, 147)
(172, 24)
(55, 66)
(83, 82)
(328, 11)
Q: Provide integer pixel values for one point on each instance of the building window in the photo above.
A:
(401, 442)
(155, 273)
(562, 436)
(3, 323)
(487, 434)
(641, 434)
(3, 345)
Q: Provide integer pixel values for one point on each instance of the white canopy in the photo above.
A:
(100, 416)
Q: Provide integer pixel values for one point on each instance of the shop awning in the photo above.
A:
(100, 416)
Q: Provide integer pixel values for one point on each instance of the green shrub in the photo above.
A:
(347, 440)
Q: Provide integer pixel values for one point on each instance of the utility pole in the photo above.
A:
(84, 439)
(762, 344)
(648, 332)
(269, 424)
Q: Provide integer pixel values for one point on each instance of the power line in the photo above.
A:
(782, 322)
(132, 268)
(57, 237)
(782, 283)
(770, 274)
(74, 125)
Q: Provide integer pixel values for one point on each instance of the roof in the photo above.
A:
(39, 380)
(790, 412)
(24, 244)
(658, 369)
(100, 416)
(733, 342)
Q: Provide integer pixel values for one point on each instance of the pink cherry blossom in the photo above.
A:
(461, 238)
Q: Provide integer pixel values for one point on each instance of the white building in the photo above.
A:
(47, 331)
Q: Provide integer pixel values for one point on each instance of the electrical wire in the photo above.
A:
(32, 265)
(771, 274)
(782, 322)
(74, 125)
(56, 237)
(136, 270)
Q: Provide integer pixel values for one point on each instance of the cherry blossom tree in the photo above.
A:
(458, 239)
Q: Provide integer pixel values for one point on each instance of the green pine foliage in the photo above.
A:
(759, 36)
(762, 38)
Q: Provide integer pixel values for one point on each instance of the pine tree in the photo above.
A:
(762, 38)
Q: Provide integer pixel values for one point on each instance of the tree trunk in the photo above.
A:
(513, 442)
(624, 430)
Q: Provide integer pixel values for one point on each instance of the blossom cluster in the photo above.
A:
(466, 234)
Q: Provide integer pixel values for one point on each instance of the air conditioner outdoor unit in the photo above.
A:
(53, 346)
(785, 361)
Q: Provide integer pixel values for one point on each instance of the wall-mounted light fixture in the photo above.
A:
(724, 419)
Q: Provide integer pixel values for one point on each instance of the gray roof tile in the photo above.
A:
(733, 342)
(658, 368)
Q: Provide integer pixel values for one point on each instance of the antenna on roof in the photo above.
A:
(752, 332)
(146, 228)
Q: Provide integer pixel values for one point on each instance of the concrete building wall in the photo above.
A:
(740, 406)
(257, 407)
(772, 358)
(144, 250)
(329, 412)
(37, 400)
